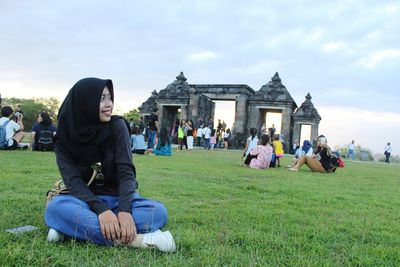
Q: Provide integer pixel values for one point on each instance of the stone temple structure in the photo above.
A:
(193, 101)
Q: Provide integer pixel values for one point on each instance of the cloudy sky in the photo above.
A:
(345, 53)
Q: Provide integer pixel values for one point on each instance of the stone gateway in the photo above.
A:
(181, 100)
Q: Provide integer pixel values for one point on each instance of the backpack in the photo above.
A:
(45, 140)
(337, 162)
(3, 139)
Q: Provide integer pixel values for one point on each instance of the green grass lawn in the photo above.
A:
(221, 214)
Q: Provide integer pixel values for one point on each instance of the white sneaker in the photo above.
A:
(54, 236)
(162, 241)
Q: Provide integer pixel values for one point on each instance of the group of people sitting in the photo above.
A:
(262, 154)
(162, 143)
(12, 131)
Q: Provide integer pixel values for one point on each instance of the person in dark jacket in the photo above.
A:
(109, 211)
(43, 124)
(320, 161)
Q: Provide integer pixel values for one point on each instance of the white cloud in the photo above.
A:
(316, 34)
(337, 46)
(379, 57)
(202, 56)
(389, 9)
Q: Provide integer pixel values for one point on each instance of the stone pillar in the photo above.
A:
(184, 113)
(240, 114)
(296, 132)
(286, 120)
(160, 115)
(314, 133)
(193, 110)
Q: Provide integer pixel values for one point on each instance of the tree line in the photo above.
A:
(33, 106)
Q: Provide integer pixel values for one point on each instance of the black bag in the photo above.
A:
(45, 140)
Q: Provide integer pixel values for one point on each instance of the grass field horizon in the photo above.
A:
(221, 213)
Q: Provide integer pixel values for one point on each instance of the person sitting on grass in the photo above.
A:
(109, 211)
(163, 147)
(13, 131)
(251, 143)
(261, 154)
(321, 161)
(137, 140)
(43, 132)
(305, 150)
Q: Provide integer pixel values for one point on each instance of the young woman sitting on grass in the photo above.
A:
(137, 140)
(45, 124)
(321, 161)
(305, 150)
(261, 154)
(251, 142)
(163, 147)
(109, 211)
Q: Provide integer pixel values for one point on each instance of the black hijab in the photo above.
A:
(80, 134)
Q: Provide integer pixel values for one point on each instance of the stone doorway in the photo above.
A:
(269, 117)
(225, 110)
(169, 115)
(305, 133)
(274, 118)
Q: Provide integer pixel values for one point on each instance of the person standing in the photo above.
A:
(199, 135)
(272, 131)
(227, 135)
(154, 128)
(182, 134)
(189, 134)
(388, 151)
(223, 126)
(278, 148)
(351, 150)
(141, 126)
(207, 136)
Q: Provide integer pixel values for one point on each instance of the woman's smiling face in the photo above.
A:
(106, 106)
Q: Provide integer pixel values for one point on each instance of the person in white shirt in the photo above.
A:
(227, 135)
(388, 151)
(207, 136)
(199, 134)
(351, 150)
(14, 130)
(251, 142)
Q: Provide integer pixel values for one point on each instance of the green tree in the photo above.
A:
(133, 115)
(32, 107)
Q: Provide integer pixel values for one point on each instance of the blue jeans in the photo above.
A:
(206, 143)
(351, 153)
(198, 140)
(73, 217)
(151, 138)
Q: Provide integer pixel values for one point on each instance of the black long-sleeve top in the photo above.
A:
(117, 168)
(325, 159)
